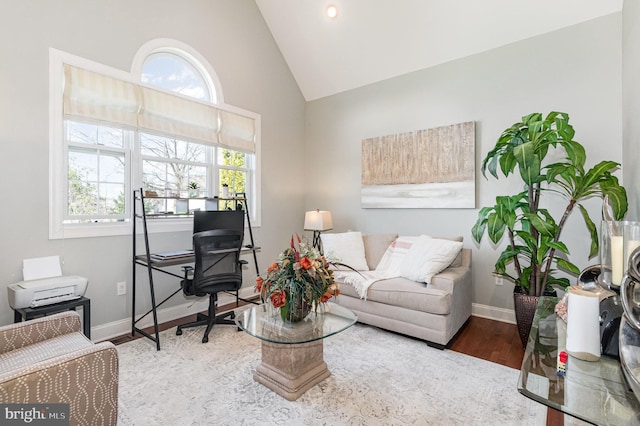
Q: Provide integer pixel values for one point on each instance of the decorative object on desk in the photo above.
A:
(300, 280)
(583, 324)
(318, 221)
(194, 190)
(225, 190)
(618, 240)
(561, 364)
(530, 259)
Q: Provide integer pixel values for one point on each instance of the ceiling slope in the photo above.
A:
(373, 40)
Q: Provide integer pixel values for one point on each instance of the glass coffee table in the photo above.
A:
(292, 353)
(595, 392)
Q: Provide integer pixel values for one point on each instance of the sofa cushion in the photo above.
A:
(375, 245)
(407, 294)
(28, 355)
(427, 257)
(347, 248)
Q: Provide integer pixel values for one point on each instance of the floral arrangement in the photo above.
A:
(299, 279)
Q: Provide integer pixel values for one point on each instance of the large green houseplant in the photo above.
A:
(534, 251)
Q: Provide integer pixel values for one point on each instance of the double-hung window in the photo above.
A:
(162, 131)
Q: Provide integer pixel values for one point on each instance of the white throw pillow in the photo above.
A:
(427, 257)
(392, 258)
(347, 248)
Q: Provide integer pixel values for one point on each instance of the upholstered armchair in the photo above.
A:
(49, 360)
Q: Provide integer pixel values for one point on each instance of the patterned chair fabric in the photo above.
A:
(49, 360)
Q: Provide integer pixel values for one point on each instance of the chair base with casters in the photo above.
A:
(209, 320)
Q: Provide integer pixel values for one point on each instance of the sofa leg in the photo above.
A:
(436, 345)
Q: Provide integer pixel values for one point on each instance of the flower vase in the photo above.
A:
(295, 310)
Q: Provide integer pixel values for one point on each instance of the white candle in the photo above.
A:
(631, 246)
(617, 259)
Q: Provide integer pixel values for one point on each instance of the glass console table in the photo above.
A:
(292, 353)
(595, 392)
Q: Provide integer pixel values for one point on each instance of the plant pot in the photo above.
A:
(525, 307)
(296, 310)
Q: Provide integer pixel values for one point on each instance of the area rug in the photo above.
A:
(378, 378)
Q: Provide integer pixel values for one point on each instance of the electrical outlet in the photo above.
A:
(122, 288)
(499, 280)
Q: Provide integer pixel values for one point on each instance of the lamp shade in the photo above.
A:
(318, 220)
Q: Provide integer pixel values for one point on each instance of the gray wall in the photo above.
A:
(576, 70)
(631, 103)
(233, 38)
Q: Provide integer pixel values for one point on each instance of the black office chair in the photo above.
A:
(218, 268)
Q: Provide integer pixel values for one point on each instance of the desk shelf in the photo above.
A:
(167, 208)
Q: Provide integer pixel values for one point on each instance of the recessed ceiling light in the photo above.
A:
(332, 11)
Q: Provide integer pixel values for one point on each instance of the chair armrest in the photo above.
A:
(16, 336)
(86, 379)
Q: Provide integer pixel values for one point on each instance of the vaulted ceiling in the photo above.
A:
(373, 40)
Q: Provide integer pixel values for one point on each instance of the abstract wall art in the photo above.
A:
(432, 168)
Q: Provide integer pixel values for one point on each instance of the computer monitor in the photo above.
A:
(206, 220)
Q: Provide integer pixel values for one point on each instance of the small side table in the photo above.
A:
(25, 314)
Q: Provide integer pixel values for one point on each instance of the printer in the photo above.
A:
(44, 284)
(46, 291)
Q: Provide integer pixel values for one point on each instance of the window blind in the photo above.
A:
(88, 94)
(91, 95)
(236, 132)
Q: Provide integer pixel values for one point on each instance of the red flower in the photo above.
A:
(278, 298)
(259, 281)
(306, 263)
(272, 267)
(325, 297)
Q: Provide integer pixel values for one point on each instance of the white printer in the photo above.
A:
(35, 293)
(44, 284)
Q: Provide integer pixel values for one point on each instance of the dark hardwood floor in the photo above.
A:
(483, 338)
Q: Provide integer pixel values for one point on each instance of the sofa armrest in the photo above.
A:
(448, 279)
(16, 336)
(86, 379)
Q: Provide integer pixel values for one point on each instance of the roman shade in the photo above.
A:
(88, 94)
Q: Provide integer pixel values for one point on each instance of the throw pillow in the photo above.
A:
(347, 248)
(427, 257)
(392, 258)
(375, 246)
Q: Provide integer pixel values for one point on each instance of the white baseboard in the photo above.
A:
(491, 312)
(121, 327)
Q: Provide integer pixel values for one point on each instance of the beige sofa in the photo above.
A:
(432, 312)
(49, 360)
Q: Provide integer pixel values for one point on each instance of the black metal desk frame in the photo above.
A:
(69, 305)
(152, 265)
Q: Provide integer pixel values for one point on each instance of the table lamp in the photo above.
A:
(317, 221)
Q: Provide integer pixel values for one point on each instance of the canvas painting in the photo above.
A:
(432, 168)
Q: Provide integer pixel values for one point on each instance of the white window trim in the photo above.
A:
(57, 162)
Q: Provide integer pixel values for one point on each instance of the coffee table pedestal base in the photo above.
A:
(291, 369)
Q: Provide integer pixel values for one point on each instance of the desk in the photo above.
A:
(595, 392)
(152, 265)
(69, 305)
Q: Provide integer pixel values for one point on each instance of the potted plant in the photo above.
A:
(534, 250)
(299, 281)
(194, 189)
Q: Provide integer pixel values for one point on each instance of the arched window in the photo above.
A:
(173, 73)
(163, 127)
